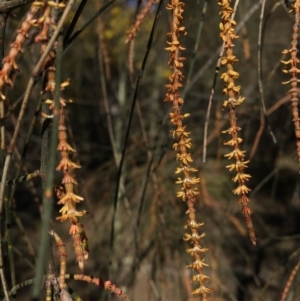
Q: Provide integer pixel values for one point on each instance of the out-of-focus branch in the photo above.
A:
(7, 6)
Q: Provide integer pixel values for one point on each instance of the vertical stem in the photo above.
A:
(196, 46)
(48, 193)
(9, 242)
(109, 121)
(3, 19)
(134, 99)
(2, 276)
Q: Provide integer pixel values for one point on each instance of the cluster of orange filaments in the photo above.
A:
(188, 182)
(9, 62)
(108, 285)
(293, 71)
(227, 27)
(66, 194)
(68, 198)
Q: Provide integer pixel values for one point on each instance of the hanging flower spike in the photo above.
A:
(9, 62)
(69, 198)
(182, 146)
(293, 71)
(227, 34)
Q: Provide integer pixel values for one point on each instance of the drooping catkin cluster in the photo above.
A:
(293, 71)
(227, 28)
(9, 62)
(68, 198)
(44, 23)
(188, 182)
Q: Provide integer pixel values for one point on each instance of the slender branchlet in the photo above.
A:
(104, 51)
(131, 34)
(290, 282)
(293, 71)
(227, 28)
(108, 285)
(62, 259)
(188, 190)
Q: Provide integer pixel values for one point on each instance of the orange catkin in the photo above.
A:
(227, 34)
(187, 181)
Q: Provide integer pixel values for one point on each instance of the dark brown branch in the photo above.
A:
(7, 6)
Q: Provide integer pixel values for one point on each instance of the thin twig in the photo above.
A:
(264, 119)
(3, 20)
(11, 262)
(290, 282)
(48, 193)
(23, 257)
(2, 276)
(74, 21)
(138, 82)
(24, 152)
(275, 273)
(23, 234)
(20, 285)
(142, 200)
(8, 6)
(278, 104)
(112, 138)
(196, 46)
(212, 92)
(210, 61)
(93, 17)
